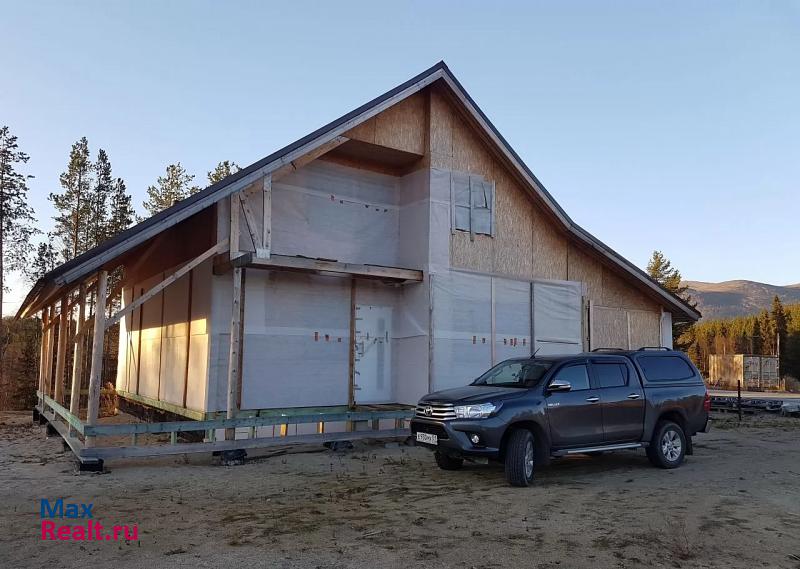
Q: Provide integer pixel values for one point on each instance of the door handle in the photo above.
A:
(634, 396)
(592, 399)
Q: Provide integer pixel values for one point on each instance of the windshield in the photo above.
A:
(515, 373)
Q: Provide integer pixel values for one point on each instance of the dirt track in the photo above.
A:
(735, 503)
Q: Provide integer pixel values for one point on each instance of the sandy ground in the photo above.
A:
(735, 503)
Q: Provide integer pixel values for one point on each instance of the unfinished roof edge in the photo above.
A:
(94, 259)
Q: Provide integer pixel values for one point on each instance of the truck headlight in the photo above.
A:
(475, 411)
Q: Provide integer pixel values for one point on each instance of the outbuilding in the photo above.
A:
(403, 248)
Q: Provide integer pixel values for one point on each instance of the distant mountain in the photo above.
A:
(738, 298)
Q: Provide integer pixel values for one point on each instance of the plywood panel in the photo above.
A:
(474, 255)
(645, 328)
(365, 131)
(470, 154)
(620, 294)
(441, 125)
(514, 230)
(609, 328)
(586, 269)
(403, 126)
(548, 248)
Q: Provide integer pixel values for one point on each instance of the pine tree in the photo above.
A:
(73, 205)
(778, 316)
(222, 171)
(97, 225)
(170, 189)
(122, 214)
(660, 269)
(44, 261)
(16, 217)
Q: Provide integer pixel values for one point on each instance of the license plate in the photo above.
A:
(427, 438)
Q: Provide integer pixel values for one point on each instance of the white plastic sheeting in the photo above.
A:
(467, 323)
(512, 307)
(462, 323)
(557, 318)
(296, 345)
(330, 211)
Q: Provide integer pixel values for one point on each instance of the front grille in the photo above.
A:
(431, 428)
(438, 411)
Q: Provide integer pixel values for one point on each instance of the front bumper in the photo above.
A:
(453, 437)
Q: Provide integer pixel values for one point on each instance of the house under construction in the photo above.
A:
(403, 248)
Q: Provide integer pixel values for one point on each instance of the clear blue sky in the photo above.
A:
(672, 126)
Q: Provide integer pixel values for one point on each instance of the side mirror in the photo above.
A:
(557, 385)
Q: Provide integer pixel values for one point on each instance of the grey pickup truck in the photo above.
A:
(524, 412)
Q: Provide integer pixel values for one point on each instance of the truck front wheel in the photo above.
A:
(520, 458)
(668, 447)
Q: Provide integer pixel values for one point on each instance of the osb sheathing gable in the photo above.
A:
(586, 269)
(527, 244)
(618, 293)
(402, 126)
(645, 328)
(609, 328)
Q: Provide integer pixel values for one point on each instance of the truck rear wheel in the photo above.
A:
(446, 462)
(668, 447)
(520, 458)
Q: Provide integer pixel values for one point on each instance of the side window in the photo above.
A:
(665, 368)
(611, 374)
(577, 376)
(472, 204)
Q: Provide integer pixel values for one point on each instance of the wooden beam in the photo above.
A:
(188, 338)
(110, 453)
(61, 351)
(234, 227)
(166, 282)
(302, 264)
(49, 366)
(77, 357)
(95, 375)
(250, 222)
(351, 380)
(266, 217)
(301, 161)
(43, 351)
(234, 371)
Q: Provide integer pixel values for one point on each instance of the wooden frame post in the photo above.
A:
(77, 356)
(234, 369)
(95, 375)
(351, 380)
(49, 356)
(43, 353)
(266, 218)
(61, 351)
(233, 241)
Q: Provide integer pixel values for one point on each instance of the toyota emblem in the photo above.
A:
(428, 411)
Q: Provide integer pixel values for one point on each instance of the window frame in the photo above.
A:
(471, 191)
(693, 377)
(623, 366)
(589, 378)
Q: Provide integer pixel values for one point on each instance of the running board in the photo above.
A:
(587, 450)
